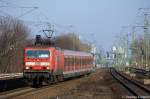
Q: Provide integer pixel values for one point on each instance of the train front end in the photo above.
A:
(37, 65)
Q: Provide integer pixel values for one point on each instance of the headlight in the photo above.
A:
(47, 68)
(44, 63)
(27, 67)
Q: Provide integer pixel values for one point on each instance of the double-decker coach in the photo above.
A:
(77, 63)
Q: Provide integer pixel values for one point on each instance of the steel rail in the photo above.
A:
(133, 87)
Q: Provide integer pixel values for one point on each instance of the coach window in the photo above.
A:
(91, 61)
(83, 61)
(67, 61)
(74, 61)
(86, 61)
(71, 61)
(78, 61)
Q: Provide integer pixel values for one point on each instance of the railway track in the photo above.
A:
(27, 90)
(13, 94)
(141, 71)
(16, 92)
(136, 89)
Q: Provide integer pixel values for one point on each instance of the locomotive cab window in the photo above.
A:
(37, 53)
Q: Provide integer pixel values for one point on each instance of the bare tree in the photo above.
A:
(72, 42)
(13, 35)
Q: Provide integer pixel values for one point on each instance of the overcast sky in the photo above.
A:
(94, 20)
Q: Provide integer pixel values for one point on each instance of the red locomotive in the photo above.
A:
(49, 64)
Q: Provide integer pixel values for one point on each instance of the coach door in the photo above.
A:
(58, 67)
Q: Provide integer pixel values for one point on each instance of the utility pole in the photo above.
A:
(127, 50)
(146, 39)
(133, 33)
(133, 41)
(146, 35)
(73, 41)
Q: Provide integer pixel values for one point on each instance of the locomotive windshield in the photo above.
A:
(37, 53)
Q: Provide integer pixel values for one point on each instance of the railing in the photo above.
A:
(10, 76)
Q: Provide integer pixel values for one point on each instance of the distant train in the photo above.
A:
(49, 64)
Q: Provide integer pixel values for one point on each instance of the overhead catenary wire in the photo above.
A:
(27, 12)
(32, 9)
